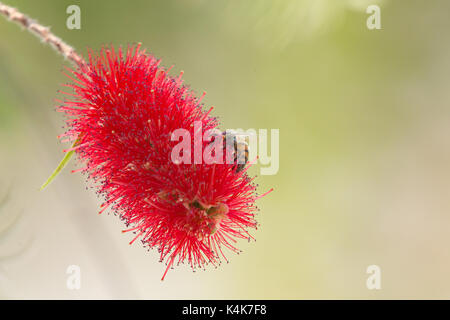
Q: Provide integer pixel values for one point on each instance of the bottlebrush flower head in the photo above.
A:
(122, 112)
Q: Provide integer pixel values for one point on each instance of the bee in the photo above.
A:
(239, 148)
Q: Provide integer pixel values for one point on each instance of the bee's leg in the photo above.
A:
(241, 156)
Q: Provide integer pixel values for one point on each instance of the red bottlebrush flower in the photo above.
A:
(122, 113)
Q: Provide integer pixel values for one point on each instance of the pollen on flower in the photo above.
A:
(123, 111)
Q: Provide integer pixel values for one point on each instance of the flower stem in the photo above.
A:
(42, 33)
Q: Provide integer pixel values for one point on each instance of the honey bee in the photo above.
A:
(236, 143)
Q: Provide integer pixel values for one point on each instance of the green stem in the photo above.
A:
(61, 165)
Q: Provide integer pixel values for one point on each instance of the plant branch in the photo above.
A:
(42, 33)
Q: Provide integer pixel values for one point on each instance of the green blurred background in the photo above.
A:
(364, 148)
